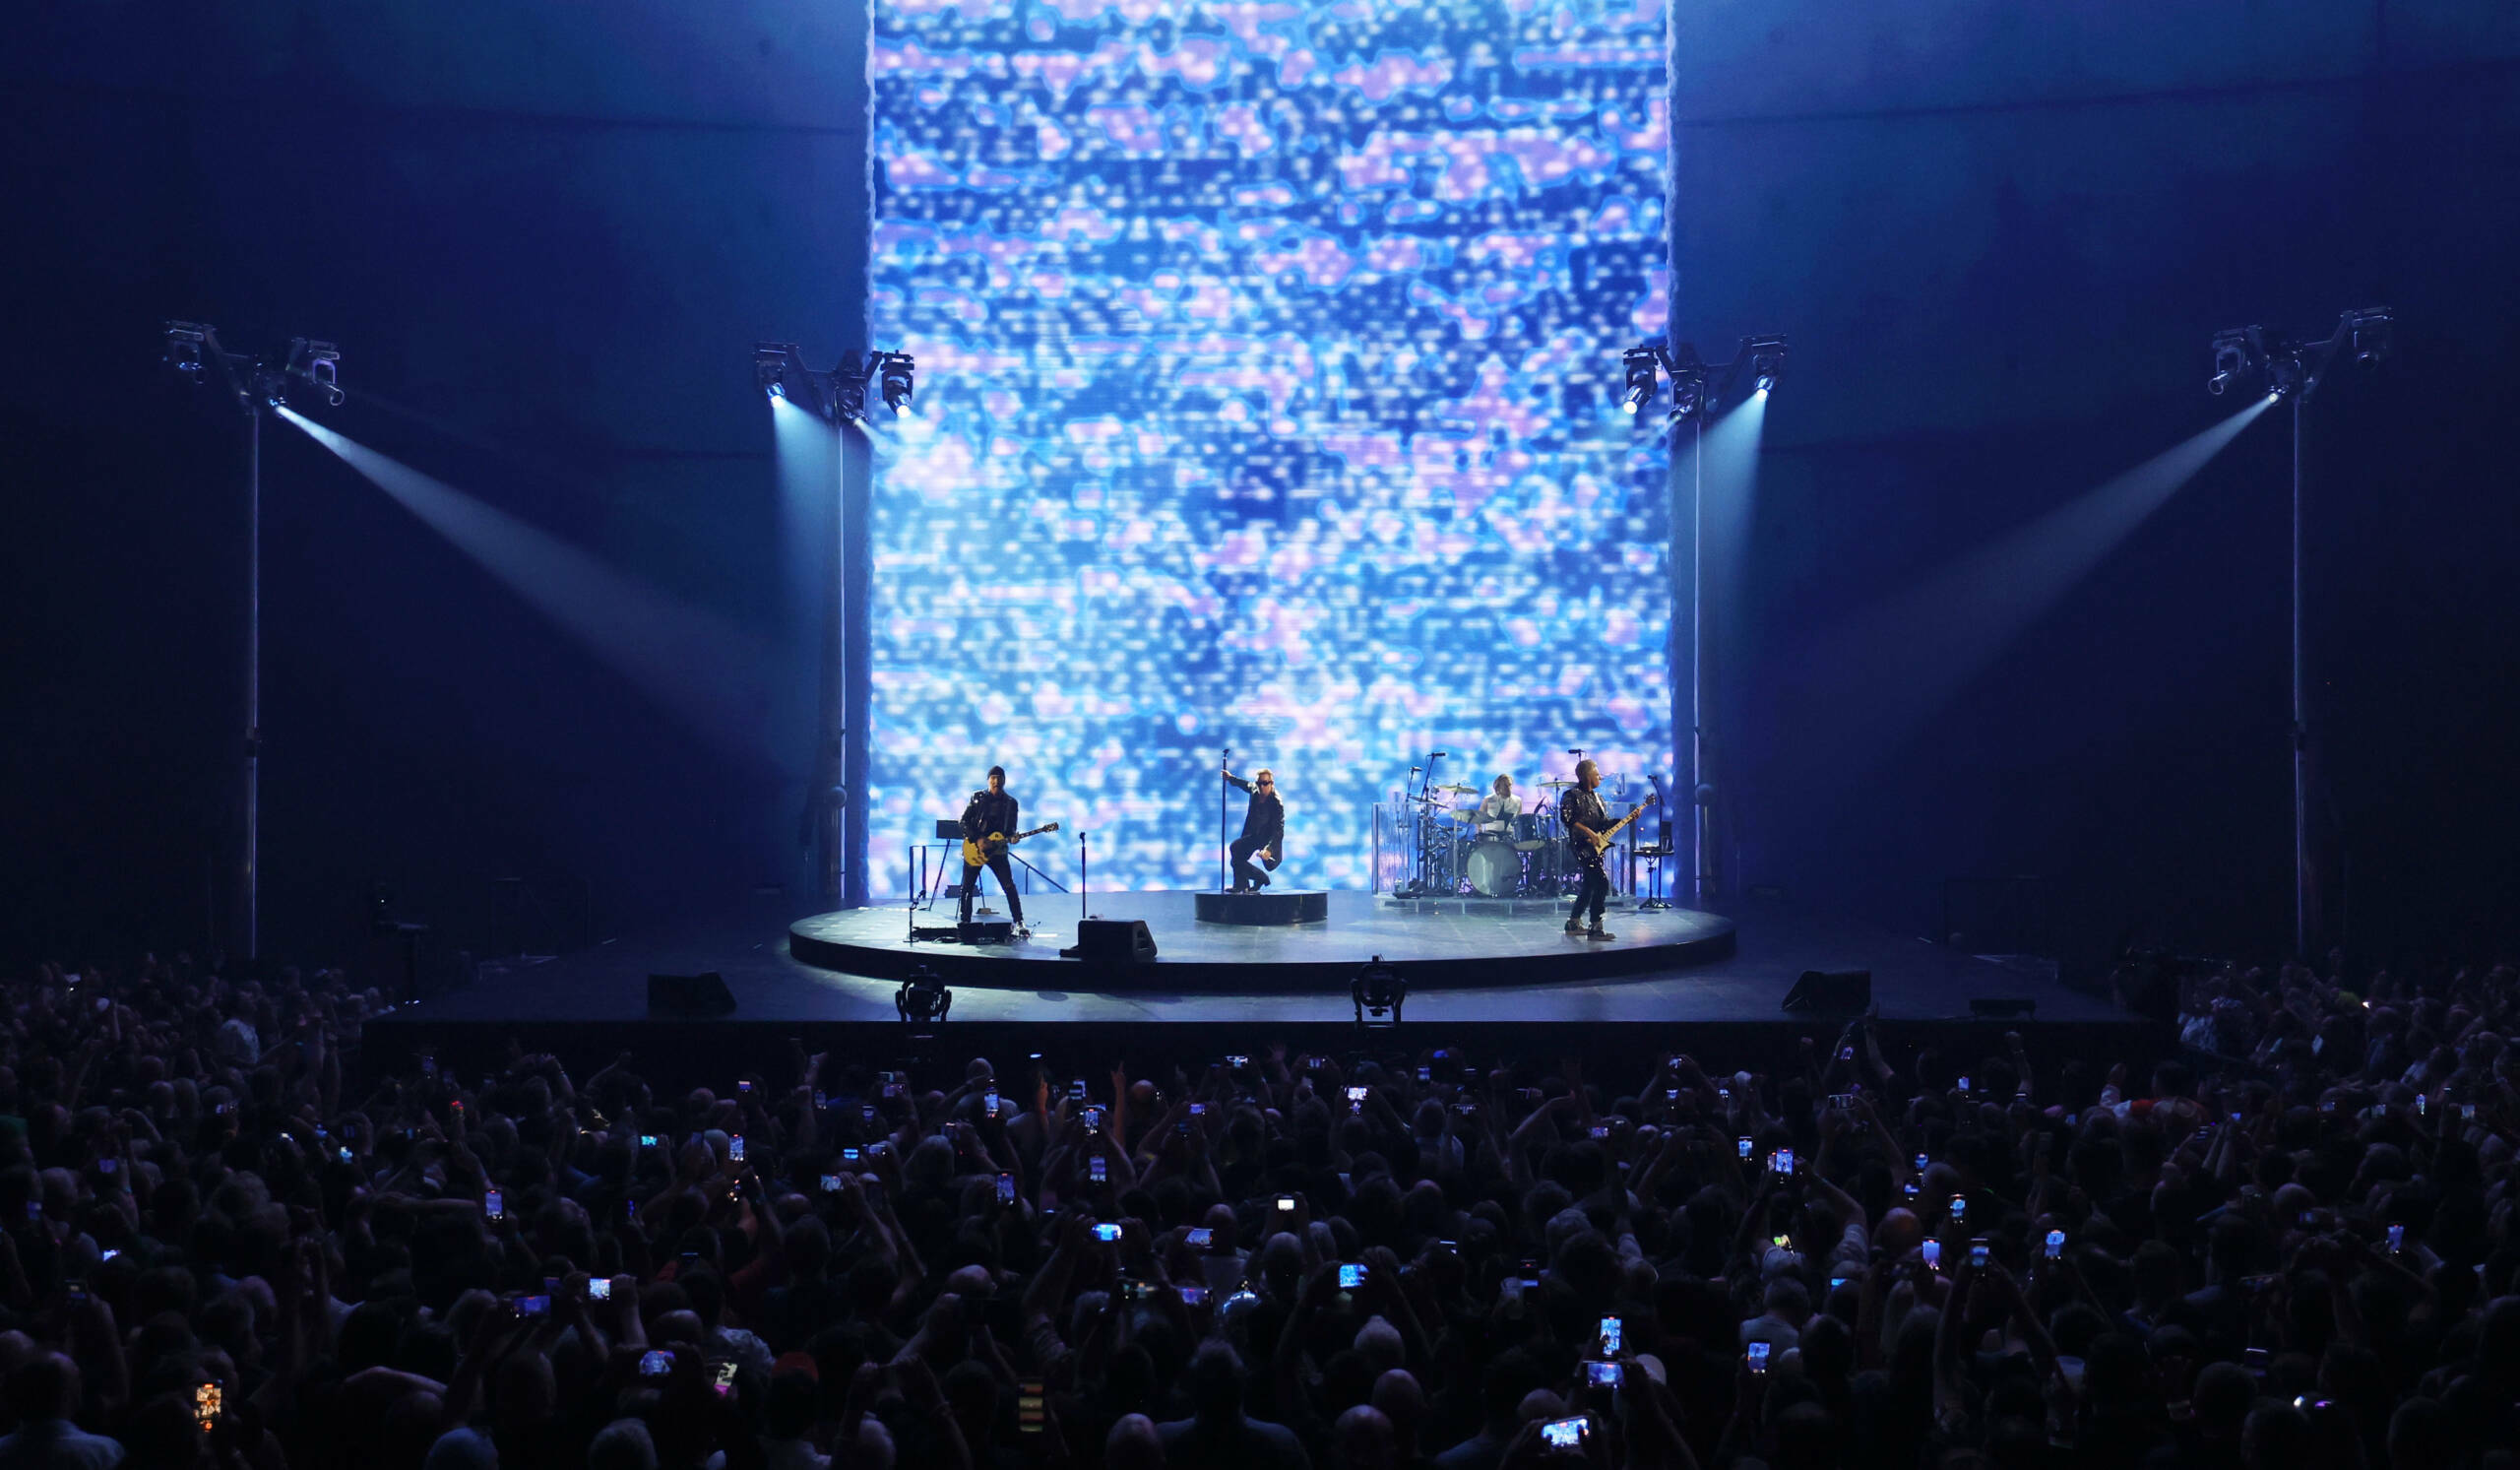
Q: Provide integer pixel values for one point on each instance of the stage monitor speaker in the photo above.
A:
(702, 995)
(1112, 941)
(1831, 990)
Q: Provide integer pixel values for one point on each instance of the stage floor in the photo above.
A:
(594, 1002)
(1430, 950)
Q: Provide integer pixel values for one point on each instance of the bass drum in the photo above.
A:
(1494, 869)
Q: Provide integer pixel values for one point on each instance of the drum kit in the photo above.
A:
(1519, 856)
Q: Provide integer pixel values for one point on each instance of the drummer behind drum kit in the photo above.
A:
(1523, 855)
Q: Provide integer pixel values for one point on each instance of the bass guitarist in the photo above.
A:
(1586, 821)
(991, 815)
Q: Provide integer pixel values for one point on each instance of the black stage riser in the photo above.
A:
(957, 965)
(1452, 949)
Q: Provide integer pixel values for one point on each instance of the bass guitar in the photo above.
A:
(1602, 839)
(976, 851)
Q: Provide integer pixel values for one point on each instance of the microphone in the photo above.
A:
(1440, 755)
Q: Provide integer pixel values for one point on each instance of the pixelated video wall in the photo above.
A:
(1267, 398)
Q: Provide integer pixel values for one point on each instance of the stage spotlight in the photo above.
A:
(2286, 372)
(770, 361)
(922, 999)
(320, 364)
(899, 378)
(1378, 992)
(184, 347)
(1688, 394)
(2367, 333)
(1766, 357)
(847, 395)
(1643, 365)
(2239, 354)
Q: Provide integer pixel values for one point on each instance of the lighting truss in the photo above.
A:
(1695, 382)
(838, 396)
(2244, 358)
(193, 350)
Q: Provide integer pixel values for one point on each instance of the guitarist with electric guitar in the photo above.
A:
(990, 828)
(1589, 834)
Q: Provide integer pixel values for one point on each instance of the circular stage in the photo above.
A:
(1429, 950)
(1269, 906)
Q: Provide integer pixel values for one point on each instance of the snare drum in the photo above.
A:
(1494, 869)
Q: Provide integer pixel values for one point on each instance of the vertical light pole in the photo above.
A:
(2294, 371)
(258, 386)
(1695, 386)
(253, 677)
(844, 565)
(2303, 897)
(1702, 874)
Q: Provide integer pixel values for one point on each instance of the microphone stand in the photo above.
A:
(1225, 764)
(1429, 792)
(1416, 836)
(1080, 885)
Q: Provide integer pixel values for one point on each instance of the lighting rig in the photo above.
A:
(193, 351)
(1697, 386)
(2242, 357)
(1695, 382)
(838, 396)
(2292, 370)
(258, 384)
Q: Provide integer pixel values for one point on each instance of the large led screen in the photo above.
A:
(1268, 399)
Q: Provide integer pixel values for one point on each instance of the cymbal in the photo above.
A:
(1466, 790)
(1561, 782)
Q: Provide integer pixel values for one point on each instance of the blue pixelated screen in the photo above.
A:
(1267, 397)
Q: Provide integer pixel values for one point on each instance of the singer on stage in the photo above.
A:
(993, 811)
(1263, 826)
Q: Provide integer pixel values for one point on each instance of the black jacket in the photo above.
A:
(991, 813)
(1264, 818)
(1577, 804)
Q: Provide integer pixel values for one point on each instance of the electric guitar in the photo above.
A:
(1602, 839)
(976, 851)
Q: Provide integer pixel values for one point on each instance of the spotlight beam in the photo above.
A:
(694, 663)
(1902, 658)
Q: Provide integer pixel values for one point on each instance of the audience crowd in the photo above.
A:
(235, 1236)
